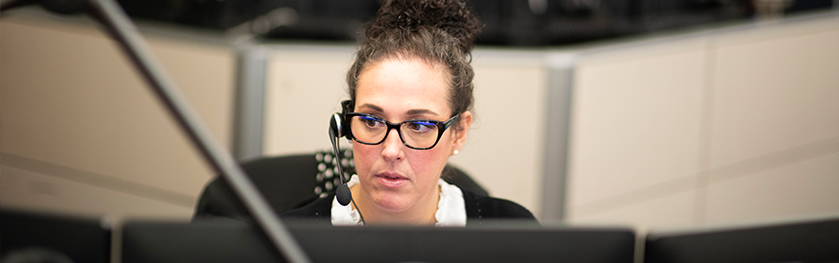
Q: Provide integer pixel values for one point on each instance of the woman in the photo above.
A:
(410, 99)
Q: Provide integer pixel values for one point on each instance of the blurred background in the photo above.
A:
(646, 113)
(506, 23)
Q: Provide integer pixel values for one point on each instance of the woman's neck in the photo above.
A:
(421, 213)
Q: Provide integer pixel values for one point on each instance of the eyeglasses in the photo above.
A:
(416, 134)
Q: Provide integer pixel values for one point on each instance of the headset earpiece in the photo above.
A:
(336, 125)
(343, 126)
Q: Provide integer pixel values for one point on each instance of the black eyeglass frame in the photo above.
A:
(442, 126)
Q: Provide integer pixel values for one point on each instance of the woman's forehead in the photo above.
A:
(403, 86)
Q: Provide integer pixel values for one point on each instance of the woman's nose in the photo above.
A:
(392, 146)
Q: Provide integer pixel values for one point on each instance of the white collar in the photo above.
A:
(451, 209)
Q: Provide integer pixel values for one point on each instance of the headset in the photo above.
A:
(339, 127)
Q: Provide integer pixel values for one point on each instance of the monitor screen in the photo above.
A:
(145, 242)
(36, 237)
(802, 242)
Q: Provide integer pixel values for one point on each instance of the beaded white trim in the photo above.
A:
(451, 209)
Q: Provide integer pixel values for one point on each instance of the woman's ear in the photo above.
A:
(462, 130)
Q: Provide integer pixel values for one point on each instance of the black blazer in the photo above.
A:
(288, 182)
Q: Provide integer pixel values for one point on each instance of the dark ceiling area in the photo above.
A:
(506, 22)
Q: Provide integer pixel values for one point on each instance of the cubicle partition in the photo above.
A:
(722, 125)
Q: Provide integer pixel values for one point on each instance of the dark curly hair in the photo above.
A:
(437, 31)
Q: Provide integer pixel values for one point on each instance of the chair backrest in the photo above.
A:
(290, 181)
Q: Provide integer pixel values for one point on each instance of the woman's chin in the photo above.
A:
(392, 204)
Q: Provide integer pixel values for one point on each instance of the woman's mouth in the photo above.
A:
(392, 180)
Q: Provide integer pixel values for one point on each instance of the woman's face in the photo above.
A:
(394, 177)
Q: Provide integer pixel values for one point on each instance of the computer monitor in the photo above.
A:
(145, 242)
(27, 236)
(805, 242)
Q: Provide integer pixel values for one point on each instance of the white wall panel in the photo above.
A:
(752, 135)
(304, 86)
(636, 119)
(803, 188)
(667, 211)
(775, 94)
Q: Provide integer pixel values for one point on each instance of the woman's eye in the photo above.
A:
(371, 122)
(421, 127)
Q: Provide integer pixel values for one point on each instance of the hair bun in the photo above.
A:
(450, 16)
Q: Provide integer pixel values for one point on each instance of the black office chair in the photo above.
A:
(291, 181)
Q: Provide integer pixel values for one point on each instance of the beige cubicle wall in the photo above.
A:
(305, 85)
(81, 133)
(720, 126)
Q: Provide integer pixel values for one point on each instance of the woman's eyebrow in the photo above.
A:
(419, 112)
(413, 112)
(371, 107)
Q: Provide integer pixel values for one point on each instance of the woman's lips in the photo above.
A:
(392, 180)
